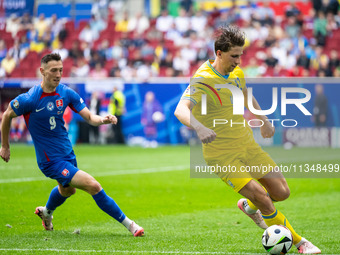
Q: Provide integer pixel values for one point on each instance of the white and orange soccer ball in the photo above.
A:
(277, 239)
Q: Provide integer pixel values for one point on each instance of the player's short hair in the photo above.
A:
(49, 57)
(228, 37)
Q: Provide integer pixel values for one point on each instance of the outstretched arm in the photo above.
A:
(185, 116)
(7, 117)
(96, 120)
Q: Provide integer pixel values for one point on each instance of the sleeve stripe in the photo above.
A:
(189, 98)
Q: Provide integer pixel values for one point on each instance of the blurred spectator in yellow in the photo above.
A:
(8, 64)
(117, 108)
(122, 24)
(41, 24)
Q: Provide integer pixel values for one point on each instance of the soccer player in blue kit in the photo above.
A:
(43, 107)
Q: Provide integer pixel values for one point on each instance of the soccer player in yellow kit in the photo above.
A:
(232, 143)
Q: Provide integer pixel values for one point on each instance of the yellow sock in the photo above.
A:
(277, 218)
(251, 205)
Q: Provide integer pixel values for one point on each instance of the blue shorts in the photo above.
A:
(61, 170)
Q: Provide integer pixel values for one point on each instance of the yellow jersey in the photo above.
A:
(233, 132)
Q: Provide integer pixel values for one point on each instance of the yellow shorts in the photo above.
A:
(244, 164)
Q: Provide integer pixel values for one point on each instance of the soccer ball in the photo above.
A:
(277, 239)
(157, 117)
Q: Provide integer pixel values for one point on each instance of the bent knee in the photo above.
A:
(94, 187)
(67, 192)
(282, 195)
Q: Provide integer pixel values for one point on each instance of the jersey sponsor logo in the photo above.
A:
(16, 104)
(59, 103)
(38, 110)
(50, 106)
(65, 172)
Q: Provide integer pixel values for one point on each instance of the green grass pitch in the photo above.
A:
(180, 215)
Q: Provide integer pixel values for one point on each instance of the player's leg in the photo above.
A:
(237, 180)
(57, 197)
(260, 198)
(278, 190)
(86, 182)
(276, 187)
(62, 172)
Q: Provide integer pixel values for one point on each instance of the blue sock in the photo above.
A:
(108, 205)
(55, 199)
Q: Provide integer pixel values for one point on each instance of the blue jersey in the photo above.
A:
(43, 113)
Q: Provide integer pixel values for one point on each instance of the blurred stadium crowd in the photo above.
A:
(302, 41)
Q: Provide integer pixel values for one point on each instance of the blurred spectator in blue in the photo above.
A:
(95, 59)
(264, 14)
(100, 8)
(26, 22)
(97, 24)
(186, 5)
(292, 10)
(118, 51)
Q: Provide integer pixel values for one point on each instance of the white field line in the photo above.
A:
(110, 173)
(126, 252)
(161, 169)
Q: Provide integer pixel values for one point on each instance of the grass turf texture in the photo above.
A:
(180, 215)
